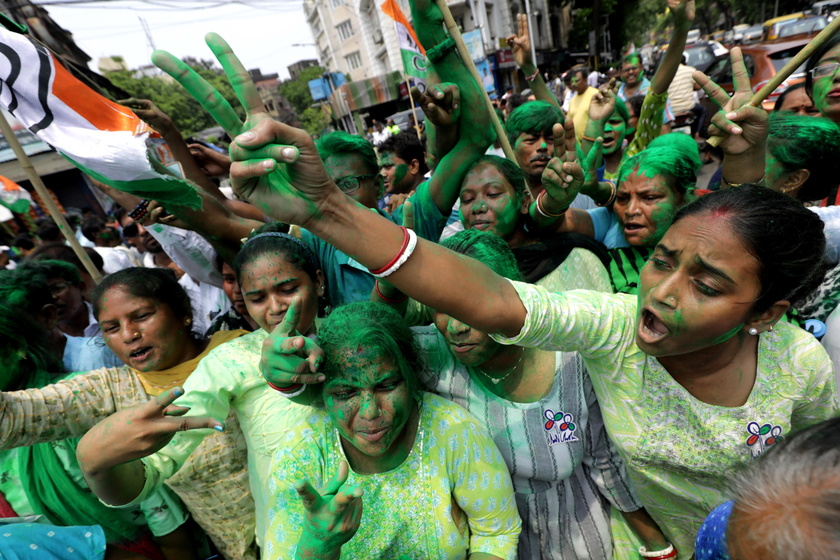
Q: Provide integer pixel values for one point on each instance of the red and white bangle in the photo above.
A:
(664, 554)
(291, 391)
(533, 76)
(544, 213)
(408, 246)
(385, 298)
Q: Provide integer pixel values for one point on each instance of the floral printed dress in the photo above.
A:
(450, 497)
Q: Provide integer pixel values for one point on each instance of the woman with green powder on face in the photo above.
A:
(155, 344)
(273, 269)
(494, 198)
(429, 478)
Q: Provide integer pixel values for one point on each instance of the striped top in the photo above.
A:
(625, 266)
(565, 471)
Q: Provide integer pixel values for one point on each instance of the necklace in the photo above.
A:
(497, 380)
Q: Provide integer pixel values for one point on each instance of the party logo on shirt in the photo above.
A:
(762, 438)
(560, 427)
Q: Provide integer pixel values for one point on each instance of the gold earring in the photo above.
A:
(188, 321)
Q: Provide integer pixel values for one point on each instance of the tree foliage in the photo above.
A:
(297, 91)
(172, 99)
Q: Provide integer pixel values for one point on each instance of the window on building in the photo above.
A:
(345, 30)
(316, 27)
(354, 60)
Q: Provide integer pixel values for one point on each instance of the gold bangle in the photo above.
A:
(548, 214)
(611, 199)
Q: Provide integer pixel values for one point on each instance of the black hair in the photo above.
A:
(516, 100)
(512, 173)
(533, 117)
(23, 241)
(158, 284)
(814, 60)
(51, 268)
(785, 238)
(91, 227)
(293, 250)
(636, 101)
(802, 142)
(60, 252)
(49, 231)
(20, 332)
(26, 287)
(407, 147)
(780, 101)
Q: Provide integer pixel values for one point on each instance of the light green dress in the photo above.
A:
(678, 450)
(407, 511)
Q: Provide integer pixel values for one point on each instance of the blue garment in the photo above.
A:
(347, 280)
(84, 353)
(711, 538)
(607, 229)
(25, 541)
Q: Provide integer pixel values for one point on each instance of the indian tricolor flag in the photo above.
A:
(413, 53)
(102, 138)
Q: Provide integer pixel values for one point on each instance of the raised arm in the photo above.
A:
(474, 134)
(520, 46)
(744, 128)
(58, 411)
(278, 168)
(683, 12)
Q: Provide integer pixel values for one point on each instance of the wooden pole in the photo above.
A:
(455, 33)
(413, 108)
(42, 191)
(787, 70)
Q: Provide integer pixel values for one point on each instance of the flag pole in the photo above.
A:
(455, 33)
(413, 108)
(42, 191)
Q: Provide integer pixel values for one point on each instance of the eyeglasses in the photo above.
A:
(352, 184)
(823, 70)
(58, 288)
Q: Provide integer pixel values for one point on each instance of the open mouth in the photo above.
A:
(141, 354)
(608, 141)
(463, 347)
(373, 435)
(651, 328)
(633, 228)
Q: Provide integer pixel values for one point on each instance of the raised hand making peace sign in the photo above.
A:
(130, 434)
(331, 516)
(288, 357)
(262, 146)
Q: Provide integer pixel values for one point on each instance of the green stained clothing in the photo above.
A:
(678, 450)
(162, 511)
(625, 265)
(347, 280)
(648, 128)
(407, 511)
(229, 380)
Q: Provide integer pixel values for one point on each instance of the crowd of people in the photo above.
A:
(414, 347)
